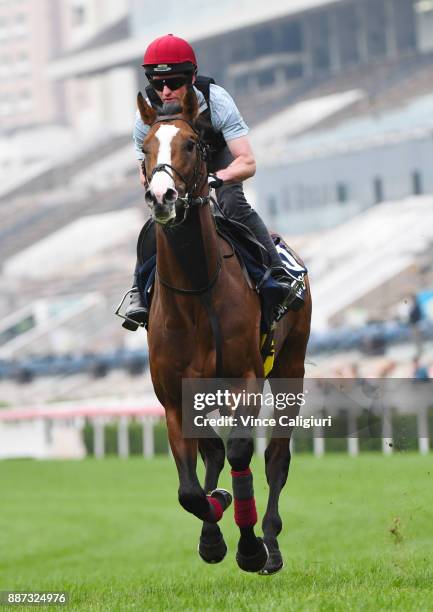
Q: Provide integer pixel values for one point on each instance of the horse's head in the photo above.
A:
(174, 164)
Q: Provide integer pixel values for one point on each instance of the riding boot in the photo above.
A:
(295, 289)
(289, 284)
(136, 313)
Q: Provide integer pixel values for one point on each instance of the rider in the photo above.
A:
(171, 68)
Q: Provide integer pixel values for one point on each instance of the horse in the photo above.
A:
(197, 284)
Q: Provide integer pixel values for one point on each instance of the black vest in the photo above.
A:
(210, 136)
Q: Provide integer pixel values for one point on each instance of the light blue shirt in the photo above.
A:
(225, 115)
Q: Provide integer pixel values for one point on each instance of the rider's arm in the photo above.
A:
(243, 166)
(227, 119)
(140, 132)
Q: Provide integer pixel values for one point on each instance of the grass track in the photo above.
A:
(113, 535)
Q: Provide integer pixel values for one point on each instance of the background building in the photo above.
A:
(29, 40)
(263, 50)
(304, 65)
(339, 98)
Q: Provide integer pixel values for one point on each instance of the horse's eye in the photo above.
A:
(189, 145)
(145, 151)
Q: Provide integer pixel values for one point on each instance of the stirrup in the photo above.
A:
(128, 323)
(297, 287)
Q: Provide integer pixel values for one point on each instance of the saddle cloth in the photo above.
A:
(253, 259)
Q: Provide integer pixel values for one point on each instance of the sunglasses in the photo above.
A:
(172, 83)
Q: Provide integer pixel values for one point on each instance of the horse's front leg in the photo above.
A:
(212, 547)
(191, 495)
(252, 553)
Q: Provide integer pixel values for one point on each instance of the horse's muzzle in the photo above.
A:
(153, 199)
(163, 212)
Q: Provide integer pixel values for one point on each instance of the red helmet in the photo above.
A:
(169, 54)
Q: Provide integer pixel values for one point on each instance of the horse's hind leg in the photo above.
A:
(290, 364)
(191, 495)
(277, 458)
(212, 547)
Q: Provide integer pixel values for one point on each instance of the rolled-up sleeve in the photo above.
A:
(140, 132)
(225, 114)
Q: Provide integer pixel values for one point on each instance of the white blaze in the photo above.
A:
(161, 180)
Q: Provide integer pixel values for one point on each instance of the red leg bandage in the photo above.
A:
(245, 512)
(246, 472)
(215, 510)
(244, 501)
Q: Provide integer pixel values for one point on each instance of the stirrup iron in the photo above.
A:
(129, 323)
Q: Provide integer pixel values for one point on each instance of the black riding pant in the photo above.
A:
(231, 199)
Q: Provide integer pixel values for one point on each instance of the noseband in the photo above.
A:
(194, 183)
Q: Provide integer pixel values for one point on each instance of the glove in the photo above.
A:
(214, 181)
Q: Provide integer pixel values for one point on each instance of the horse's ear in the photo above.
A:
(147, 113)
(190, 105)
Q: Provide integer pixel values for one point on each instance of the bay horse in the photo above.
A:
(193, 262)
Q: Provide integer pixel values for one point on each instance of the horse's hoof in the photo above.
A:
(273, 565)
(212, 552)
(255, 562)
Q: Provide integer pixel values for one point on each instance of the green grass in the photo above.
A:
(358, 535)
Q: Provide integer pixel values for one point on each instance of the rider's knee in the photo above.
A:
(232, 200)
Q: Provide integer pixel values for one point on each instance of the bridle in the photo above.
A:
(198, 178)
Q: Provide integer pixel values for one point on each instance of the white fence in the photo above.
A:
(57, 431)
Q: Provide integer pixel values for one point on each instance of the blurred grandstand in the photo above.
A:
(338, 94)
